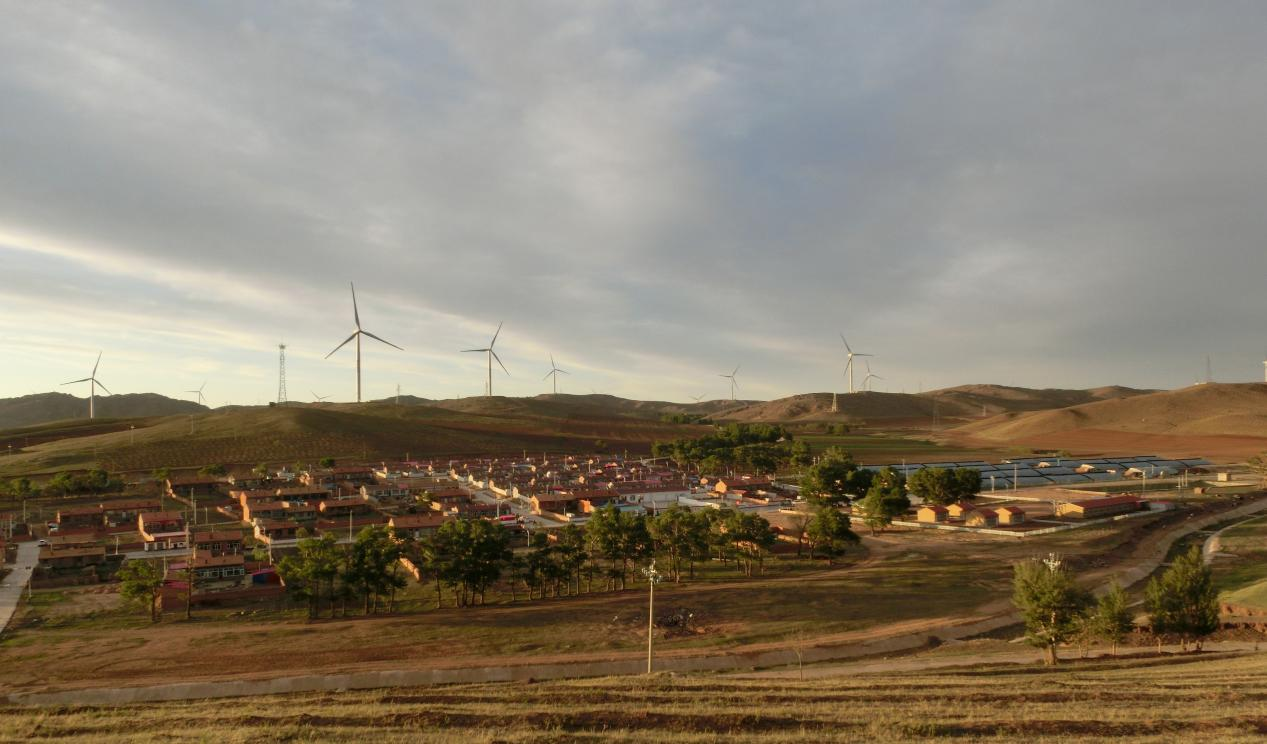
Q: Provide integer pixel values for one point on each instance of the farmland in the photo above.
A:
(1211, 697)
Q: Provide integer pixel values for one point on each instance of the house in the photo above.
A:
(193, 488)
(252, 495)
(218, 542)
(725, 485)
(210, 567)
(982, 518)
(932, 513)
(162, 530)
(959, 510)
(336, 508)
(417, 526)
(305, 494)
(1097, 508)
(125, 512)
(387, 493)
(79, 516)
(72, 557)
(553, 502)
(1010, 515)
(270, 531)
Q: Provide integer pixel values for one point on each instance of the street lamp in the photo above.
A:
(653, 578)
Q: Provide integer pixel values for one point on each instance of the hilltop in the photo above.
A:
(43, 408)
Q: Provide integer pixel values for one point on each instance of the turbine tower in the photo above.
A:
(849, 364)
(356, 315)
(866, 381)
(733, 382)
(488, 390)
(554, 372)
(93, 382)
(201, 400)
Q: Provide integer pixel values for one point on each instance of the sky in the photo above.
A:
(1044, 194)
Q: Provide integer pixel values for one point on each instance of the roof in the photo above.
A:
(162, 516)
(130, 505)
(47, 553)
(213, 535)
(75, 511)
(205, 560)
(414, 521)
(1009, 509)
(934, 507)
(1110, 501)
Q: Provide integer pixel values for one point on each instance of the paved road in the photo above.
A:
(1210, 548)
(16, 581)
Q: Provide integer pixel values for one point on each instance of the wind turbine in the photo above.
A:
(356, 315)
(699, 398)
(554, 372)
(866, 381)
(849, 364)
(733, 382)
(201, 400)
(319, 398)
(491, 356)
(93, 382)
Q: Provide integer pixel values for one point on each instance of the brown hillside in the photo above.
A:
(1200, 410)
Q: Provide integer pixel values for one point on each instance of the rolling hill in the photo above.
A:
(43, 408)
(1215, 409)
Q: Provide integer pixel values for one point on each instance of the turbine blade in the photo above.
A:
(548, 375)
(564, 371)
(499, 361)
(499, 330)
(103, 387)
(94, 366)
(345, 343)
(376, 338)
(861, 354)
(552, 364)
(467, 351)
(356, 315)
(732, 374)
(72, 382)
(846, 343)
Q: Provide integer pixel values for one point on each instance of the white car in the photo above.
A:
(42, 543)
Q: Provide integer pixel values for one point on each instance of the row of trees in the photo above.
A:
(91, 481)
(945, 486)
(464, 559)
(1181, 602)
(760, 448)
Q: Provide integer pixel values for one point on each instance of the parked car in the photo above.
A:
(42, 543)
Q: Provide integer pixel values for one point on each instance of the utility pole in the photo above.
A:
(653, 577)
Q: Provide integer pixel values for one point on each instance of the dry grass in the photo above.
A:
(1207, 698)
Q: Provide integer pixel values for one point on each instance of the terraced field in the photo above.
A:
(1208, 698)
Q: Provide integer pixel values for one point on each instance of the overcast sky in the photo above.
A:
(1043, 194)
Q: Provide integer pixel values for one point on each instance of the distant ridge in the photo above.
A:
(43, 408)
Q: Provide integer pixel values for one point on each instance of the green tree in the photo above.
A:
(326, 462)
(751, 537)
(260, 470)
(829, 533)
(374, 566)
(802, 454)
(1052, 605)
(1112, 620)
(620, 537)
(834, 479)
(471, 555)
(943, 486)
(315, 562)
(213, 471)
(1183, 600)
(140, 583)
(885, 499)
(678, 535)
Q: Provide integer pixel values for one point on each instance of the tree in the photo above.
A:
(802, 454)
(1112, 620)
(943, 486)
(679, 535)
(885, 499)
(620, 537)
(1052, 605)
(315, 562)
(751, 537)
(1183, 600)
(326, 462)
(140, 582)
(373, 565)
(261, 470)
(834, 479)
(469, 556)
(829, 533)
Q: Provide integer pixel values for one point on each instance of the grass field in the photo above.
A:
(1208, 697)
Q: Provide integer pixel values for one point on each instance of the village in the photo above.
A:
(220, 539)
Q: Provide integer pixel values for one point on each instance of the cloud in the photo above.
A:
(1036, 194)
